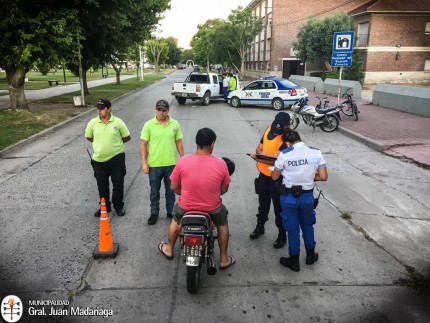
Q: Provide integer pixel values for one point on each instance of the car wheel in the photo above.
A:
(181, 100)
(235, 102)
(206, 98)
(278, 104)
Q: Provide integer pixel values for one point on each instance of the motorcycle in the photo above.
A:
(197, 241)
(326, 119)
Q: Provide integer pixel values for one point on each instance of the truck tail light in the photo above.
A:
(198, 88)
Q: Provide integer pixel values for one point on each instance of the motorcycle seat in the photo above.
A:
(324, 111)
(196, 219)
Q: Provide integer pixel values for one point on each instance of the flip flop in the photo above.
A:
(160, 248)
(232, 262)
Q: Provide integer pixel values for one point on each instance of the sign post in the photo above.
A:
(343, 44)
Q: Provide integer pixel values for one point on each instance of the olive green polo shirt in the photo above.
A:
(161, 141)
(107, 137)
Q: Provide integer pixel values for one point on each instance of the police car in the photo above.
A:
(268, 91)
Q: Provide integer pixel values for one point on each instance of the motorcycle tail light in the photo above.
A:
(293, 92)
(193, 240)
(197, 88)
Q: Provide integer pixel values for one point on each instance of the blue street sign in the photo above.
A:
(343, 41)
(341, 59)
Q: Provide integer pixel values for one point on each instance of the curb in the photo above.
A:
(376, 145)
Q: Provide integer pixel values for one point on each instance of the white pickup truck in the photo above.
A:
(200, 86)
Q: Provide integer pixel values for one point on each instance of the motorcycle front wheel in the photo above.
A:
(330, 123)
(193, 278)
(294, 123)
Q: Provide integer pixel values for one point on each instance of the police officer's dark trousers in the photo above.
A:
(267, 194)
(116, 170)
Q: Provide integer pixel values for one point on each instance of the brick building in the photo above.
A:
(393, 36)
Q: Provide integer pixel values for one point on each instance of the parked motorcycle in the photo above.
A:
(326, 119)
(197, 240)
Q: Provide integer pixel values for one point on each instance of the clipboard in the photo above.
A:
(264, 157)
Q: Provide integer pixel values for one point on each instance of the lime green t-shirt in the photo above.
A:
(107, 137)
(161, 141)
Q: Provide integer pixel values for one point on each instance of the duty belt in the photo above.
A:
(295, 190)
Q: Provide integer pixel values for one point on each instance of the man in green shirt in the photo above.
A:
(108, 135)
(161, 138)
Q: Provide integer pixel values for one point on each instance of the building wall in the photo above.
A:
(390, 46)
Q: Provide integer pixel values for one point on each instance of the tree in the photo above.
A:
(111, 27)
(156, 51)
(315, 38)
(32, 32)
(173, 51)
(227, 41)
(240, 31)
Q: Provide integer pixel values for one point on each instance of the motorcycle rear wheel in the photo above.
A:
(193, 278)
(330, 123)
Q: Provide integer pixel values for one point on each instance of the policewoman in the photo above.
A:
(270, 146)
(300, 166)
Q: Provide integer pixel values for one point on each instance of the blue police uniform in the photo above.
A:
(298, 165)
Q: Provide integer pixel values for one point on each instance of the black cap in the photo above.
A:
(163, 104)
(281, 119)
(103, 103)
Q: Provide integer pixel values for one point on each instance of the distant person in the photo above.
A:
(225, 83)
(300, 167)
(200, 179)
(160, 138)
(232, 83)
(108, 135)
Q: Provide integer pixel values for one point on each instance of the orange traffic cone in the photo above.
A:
(106, 248)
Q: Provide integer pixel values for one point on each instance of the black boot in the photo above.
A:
(311, 256)
(291, 262)
(259, 230)
(281, 241)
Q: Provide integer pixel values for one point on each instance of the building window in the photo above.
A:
(428, 28)
(363, 35)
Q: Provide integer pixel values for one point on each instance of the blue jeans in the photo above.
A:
(226, 92)
(298, 213)
(156, 174)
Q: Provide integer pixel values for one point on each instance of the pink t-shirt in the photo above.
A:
(200, 178)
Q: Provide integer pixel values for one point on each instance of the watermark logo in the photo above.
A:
(11, 308)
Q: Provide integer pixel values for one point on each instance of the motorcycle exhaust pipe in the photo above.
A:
(211, 267)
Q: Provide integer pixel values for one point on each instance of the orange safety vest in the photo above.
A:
(270, 148)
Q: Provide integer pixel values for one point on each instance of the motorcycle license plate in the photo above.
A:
(193, 251)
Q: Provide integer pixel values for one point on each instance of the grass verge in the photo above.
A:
(18, 125)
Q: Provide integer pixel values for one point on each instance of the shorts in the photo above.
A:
(218, 216)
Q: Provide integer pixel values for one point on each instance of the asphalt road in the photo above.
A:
(48, 196)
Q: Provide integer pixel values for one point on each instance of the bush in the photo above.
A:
(43, 68)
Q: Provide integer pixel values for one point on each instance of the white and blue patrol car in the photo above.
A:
(268, 91)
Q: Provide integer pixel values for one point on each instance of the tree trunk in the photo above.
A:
(15, 79)
(84, 82)
(117, 74)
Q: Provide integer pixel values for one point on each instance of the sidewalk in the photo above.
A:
(33, 95)
(395, 133)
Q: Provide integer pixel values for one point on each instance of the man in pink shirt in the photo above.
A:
(200, 179)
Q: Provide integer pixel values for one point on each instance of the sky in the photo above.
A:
(182, 19)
